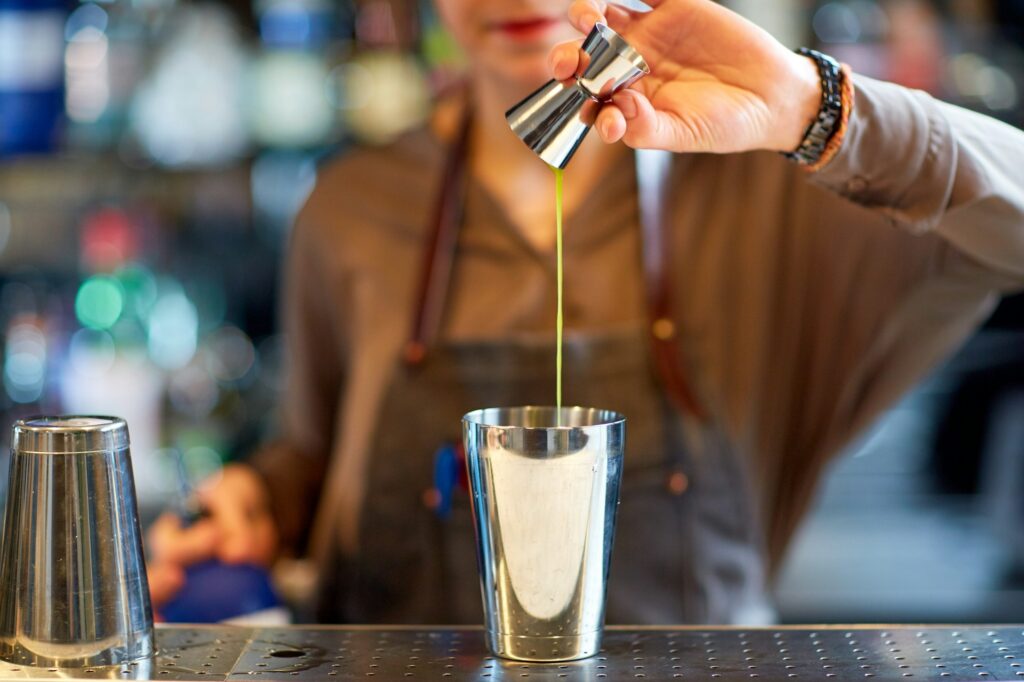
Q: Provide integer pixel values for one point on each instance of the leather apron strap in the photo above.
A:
(653, 169)
(439, 248)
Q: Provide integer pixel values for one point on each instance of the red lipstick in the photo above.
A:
(526, 29)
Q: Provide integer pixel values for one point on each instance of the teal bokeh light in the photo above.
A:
(100, 302)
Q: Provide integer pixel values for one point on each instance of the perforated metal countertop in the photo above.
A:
(394, 654)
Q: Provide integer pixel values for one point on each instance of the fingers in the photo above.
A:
(618, 18)
(237, 504)
(171, 543)
(583, 14)
(164, 582)
(239, 528)
(247, 536)
(644, 127)
(564, 59)
(631, 118)
(611, 124)
(238, 540)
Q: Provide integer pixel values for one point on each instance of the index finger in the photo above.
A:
(564, 59)
(583, 14)
(170, 542)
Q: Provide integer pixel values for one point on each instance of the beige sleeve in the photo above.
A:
(293, 466)
(957, 179)
(929, 166)
(861, 311)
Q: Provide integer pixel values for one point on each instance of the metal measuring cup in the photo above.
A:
(554, 119)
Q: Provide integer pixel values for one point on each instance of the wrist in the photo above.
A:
(803, 94)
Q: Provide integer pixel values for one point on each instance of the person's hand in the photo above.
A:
(718, 83)
(237, 529)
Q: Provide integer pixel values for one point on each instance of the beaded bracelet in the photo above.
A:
(826, 131)
(836, 141)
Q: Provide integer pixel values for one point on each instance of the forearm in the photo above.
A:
(294, 465)
(293, 483)
(930, 166)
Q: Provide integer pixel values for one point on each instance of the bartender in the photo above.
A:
(817, 242)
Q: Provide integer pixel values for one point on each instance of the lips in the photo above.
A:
(528, 28)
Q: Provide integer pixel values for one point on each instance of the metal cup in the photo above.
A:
(73, 586)
(544, 504)
(554, 119)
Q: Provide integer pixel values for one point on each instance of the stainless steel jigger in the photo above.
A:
(554, 120)
(73, 587)
(544, 504)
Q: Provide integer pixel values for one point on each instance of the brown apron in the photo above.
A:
(687, 548)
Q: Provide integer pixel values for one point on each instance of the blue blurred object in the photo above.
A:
(446, 476)
(215, 592)
(31, 74)
(296, 24)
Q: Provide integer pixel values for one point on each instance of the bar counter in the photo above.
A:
(206, 653)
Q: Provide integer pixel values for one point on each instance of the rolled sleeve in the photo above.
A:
(897, 156)
(928, 166)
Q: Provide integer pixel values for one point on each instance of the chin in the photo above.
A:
(523, 73)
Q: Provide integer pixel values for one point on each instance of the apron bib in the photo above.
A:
(687, 545)
(682, 550)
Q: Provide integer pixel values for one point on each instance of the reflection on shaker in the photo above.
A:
(544, 504)
(73, 587)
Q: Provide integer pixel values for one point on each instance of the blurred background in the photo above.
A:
(153, 153)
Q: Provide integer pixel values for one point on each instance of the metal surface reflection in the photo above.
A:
(554, 119)
(544, 506)
(74, 589)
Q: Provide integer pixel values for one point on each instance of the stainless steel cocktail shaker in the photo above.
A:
(545, 495)
(554, 120)
(73, 587)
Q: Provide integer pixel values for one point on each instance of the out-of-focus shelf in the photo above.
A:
(45, 198)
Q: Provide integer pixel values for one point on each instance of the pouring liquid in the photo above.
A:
(558, 315)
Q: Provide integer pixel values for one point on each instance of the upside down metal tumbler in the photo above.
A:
(554, 119)
(544, 504)
(73, 587)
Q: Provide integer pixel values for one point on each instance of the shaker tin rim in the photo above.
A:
(69, 434)
(607, 418)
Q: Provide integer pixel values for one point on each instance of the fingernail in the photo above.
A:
(606, 129)
(627, 105)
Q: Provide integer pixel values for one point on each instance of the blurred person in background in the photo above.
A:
(803, 299)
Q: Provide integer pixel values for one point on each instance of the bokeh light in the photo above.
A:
(140, 289)
(202, 464)
(91, 350)
(233, 354)
(100, 302)
(88, 15)
(193, 391)
(25, 362)
(109, 239)
(86, 68)
(173, 328)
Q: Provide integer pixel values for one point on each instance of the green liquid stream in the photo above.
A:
(558, 316)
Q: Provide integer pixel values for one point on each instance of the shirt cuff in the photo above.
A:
(897, 158)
